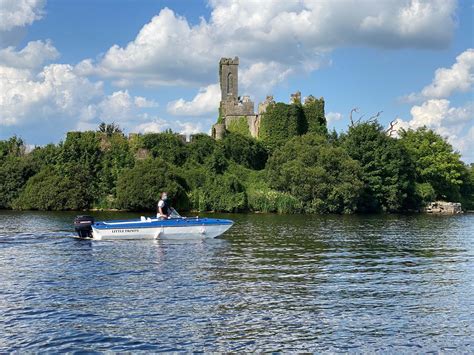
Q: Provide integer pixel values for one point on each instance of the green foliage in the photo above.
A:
(436, 162)
(387, 171)
(315, 116)
(201, 147)
(50, 190)
(467, 189)
(223, 193)
(245, 151)
(139, 188)
(287, 171)
(239, 125)
(116, 157)
(109, 129)
(268, 200)
(425, 192)
(217, 163)
(282, 122)
(12, 147)
(14, 173)
(167, 146)
(323, 178)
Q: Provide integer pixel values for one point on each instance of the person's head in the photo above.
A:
(164, 195)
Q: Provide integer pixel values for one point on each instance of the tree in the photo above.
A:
(14, 173)
(315, 116)
(282, 122)
(109, 129)
(387, 171)
(246, 151)
(166, 145)
(139, 188)
(50, 190)
(437, 164)
(200, 148)
(324, 178)
(12, 147)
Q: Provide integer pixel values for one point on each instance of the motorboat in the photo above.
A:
(174, 227)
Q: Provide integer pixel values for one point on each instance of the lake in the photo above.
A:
(271, 283)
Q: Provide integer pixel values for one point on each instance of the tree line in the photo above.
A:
(288, 170)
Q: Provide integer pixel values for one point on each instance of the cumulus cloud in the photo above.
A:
(19, 13)
(458, 78)
(170, 50)
(55, 92)
(15, 15)
(205, 102)
(34, 55)
(259, 79)
(454, 123)
(54, 99)
(436, 111)
(332, 117)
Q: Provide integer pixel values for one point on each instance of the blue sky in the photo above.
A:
(152, 65)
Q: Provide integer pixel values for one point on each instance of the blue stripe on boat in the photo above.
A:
(162, 223)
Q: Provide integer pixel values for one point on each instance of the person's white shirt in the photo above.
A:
(161, 204)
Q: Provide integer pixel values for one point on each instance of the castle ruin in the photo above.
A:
(237, 113)
(234, 109)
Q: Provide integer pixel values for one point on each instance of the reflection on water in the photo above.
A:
(314, 283)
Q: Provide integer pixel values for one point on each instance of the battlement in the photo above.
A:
(236, 113)
(229, 61)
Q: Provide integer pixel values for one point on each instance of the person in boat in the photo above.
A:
(164, 208)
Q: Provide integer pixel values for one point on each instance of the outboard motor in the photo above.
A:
(83, 226)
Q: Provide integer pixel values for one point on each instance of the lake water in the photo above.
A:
(272, 282)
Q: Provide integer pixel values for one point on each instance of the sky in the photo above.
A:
(151, 65)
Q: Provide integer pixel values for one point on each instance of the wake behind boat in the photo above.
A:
(176, 227)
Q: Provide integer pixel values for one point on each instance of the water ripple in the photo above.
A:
(273, 283)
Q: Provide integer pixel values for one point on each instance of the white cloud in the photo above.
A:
(143, 102)
(446, 81)
(55, 92)
(460, 77)
(170, 50)
(19, 13)
(154, 126)
(436, 112)
(188, 128)
(15, 16)
(205, 102)
(259, 78)
(34, 55)
(454, 123)
(333, 116)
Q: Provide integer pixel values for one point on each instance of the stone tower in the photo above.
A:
(228, 77)
(235, 113)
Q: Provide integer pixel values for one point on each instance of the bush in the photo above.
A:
(223, 193)
(387, 170)
(245, 151)
(268, 200)
(322, 177)
(139, 188)
(49, 190)
(167, 146)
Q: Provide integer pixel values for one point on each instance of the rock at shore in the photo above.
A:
(443, 207)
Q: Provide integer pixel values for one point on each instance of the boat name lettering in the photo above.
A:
(124, 230)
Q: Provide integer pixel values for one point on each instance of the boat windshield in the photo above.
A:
(174, 214)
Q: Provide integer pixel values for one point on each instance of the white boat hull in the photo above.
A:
(191, 232)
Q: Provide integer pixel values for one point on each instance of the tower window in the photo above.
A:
(230, 83)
